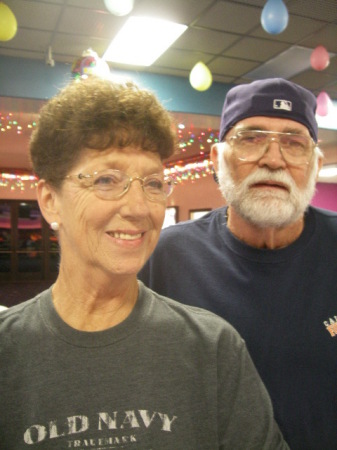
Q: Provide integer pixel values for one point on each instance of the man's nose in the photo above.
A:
(273, 156)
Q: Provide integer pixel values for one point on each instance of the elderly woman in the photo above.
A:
(98, 360)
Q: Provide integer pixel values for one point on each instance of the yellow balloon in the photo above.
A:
(200, 77)
(8, 24)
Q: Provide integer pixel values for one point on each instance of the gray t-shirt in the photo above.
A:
(169, 377)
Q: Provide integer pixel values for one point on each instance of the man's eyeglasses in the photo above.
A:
(251, 145)
(112, 184)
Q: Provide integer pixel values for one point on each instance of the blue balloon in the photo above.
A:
(274, 16)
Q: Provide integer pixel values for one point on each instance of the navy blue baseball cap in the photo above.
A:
(272, 97)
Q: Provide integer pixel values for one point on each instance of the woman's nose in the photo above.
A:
(135, 200)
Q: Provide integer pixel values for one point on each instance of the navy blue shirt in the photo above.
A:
(283, 303)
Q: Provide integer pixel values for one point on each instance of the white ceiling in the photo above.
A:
(226, 35)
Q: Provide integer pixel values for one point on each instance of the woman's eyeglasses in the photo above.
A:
(112, 184)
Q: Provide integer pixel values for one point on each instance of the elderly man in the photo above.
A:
(267, 262)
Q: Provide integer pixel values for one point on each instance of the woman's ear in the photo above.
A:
(48, 201)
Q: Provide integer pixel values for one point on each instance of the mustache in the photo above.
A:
(264, 175)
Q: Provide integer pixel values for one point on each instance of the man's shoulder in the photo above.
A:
(325, 216)
(192, 227)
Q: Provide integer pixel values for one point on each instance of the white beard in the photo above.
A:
(267, 208)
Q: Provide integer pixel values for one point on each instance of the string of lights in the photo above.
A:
(187, 168)
(178, 172)
(10, 124)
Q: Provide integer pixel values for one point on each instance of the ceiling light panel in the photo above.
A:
(287, 64)
(142, 40)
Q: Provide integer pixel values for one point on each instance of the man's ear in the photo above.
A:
(48, 201)
(319, 165)
(214, 156)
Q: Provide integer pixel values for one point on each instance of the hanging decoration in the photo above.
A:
(10, 123)
(274, 17)
(319, 58)
(119, 7)
(201, 77)
(192, 168)
(90, 64)
(17, 181)
(323, 104)
(189, 138)
(8, 23)
(190, 171)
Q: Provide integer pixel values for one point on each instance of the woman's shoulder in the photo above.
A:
(22, 316)
(189, 319)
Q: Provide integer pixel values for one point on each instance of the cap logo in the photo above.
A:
(283, 104)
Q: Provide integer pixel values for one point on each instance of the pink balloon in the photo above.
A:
(323, 101)
(319, 58)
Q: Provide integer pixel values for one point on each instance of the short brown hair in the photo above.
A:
(98, 114)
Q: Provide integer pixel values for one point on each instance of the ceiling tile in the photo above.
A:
(231, 17)
(231, 67)
(89, 4)
(85, 22)
(228, 79)
(181, 59)
(298, 29)
(180, 11)
(332, 67)
(321, 10)
(255, 49)
(24, 37)
(326, 36)
(313, 80)
(205, 40)
(77, 45)
(168, 71)
(32, 14)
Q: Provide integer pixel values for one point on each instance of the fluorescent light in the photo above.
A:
(330, 120)
(142, 40)
(292, 61)
(328, 171)
(287, 64)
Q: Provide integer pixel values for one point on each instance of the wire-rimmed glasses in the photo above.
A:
(251, 145)
(112, 184)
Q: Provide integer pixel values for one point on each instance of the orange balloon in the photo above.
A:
(8, 24)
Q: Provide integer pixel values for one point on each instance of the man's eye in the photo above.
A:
(296, 142)
(251, 138)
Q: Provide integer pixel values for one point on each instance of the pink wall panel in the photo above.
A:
(326, 196)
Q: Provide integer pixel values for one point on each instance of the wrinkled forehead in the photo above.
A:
(269, 124)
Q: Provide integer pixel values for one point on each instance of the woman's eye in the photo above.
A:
(106, 180)
(155, 183)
